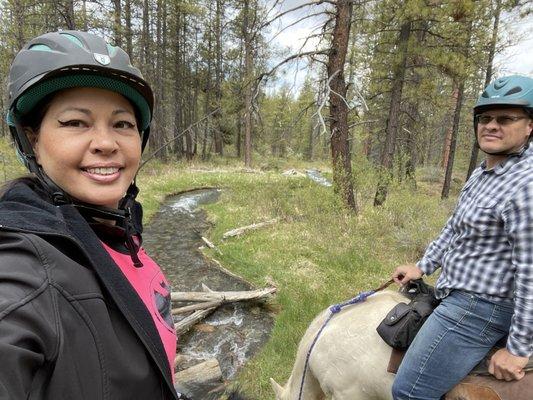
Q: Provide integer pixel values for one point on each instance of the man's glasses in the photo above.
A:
(500, 119)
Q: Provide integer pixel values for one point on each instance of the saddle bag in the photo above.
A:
(403, 322)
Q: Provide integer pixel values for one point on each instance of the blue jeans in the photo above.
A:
(454, 339)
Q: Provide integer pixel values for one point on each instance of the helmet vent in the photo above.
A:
(516, 89)
(73, 39)
(40, 47)
(485, 94)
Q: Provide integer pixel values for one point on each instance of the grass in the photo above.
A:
(317, 254)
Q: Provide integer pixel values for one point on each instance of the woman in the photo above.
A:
(84, 312)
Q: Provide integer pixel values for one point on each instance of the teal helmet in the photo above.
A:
(512, 91)
(505, 92)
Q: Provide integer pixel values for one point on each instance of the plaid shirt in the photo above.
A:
(486, 246)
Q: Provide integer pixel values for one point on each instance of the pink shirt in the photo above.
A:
(154, 290)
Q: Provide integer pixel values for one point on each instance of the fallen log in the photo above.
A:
(199, 374)
(186, 323)
(244, 229)
(225, 297)
(208, 243)
(196, 307)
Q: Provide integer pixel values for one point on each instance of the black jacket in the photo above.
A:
(71, 325)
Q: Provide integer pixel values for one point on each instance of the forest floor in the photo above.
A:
(317, 254)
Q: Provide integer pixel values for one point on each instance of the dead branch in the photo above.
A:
(295, 23)
(292, 57)
(278, 16)
(244, 229)
(208, 242)
(196, 307)
(225, 297)
(323, 103)
(178, 136)
(185, 324)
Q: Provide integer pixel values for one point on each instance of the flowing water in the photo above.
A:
(234, 332)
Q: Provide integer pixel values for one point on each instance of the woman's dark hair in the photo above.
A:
(28, 180)
(34, 119)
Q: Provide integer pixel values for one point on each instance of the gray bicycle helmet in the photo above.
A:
(67, 59)
(508, 91)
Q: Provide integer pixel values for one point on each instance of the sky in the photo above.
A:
(516, 58)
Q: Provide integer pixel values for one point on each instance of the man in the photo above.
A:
(485, 253)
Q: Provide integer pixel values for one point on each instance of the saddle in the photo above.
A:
(479, 384)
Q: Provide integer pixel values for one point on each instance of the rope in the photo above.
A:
(335, 309)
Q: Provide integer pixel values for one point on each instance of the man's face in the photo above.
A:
(503, 130)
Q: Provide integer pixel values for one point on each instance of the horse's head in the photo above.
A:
(279, 390)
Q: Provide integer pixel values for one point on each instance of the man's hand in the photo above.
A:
(405, 273)
(504, 365)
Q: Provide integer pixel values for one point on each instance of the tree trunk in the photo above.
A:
(84, 15)
(208, 80)
(68, 15)
(340, 149)
(238, 139)
(19, 16)
(178, 82)
(117, 26)
(219, 15)
(248, 84)
(128, 33)
(488, 77)
(387, 155)
(449, 131)
(310, 145)
(453, 143)
(146, 34)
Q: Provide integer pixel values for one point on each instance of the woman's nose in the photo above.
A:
(103, 140)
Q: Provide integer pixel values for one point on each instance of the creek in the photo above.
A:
(234, 332)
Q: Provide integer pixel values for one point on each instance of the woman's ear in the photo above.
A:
(33, 138)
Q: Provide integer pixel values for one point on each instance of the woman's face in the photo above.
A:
(89, 145)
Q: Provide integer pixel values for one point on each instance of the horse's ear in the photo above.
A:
(277, 389)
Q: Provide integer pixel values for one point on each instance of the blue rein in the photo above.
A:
(334, 309)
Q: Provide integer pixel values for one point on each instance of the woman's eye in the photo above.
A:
(74, 123)
(124, 125)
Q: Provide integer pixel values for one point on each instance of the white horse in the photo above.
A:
(349, 360)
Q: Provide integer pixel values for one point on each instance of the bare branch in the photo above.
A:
(323, 103)
(311, 3)
(294, 23)
(292, 57)
(178, 136)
